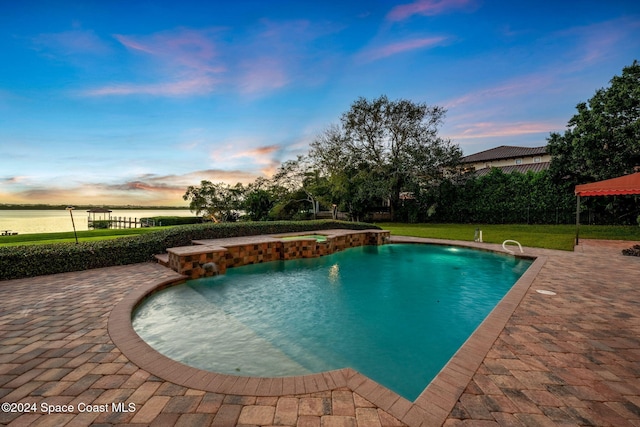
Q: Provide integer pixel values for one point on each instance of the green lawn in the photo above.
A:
(83, 236)
(541, 236)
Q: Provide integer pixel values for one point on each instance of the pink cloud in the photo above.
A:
(270, 168)
(516, 87)
(178, 183)
(185, 63)
(597, 42)
(400, 47)
(192, 86)
(14, 179)
(266, 60)
(249, 154)
(146, 186)
(189, 48)
(215, 175)
(262, 74)
(264, 158)
(425, 8)
(259, 151)
(277, 54)
(493, 129)
(146, 189)
(133, 44)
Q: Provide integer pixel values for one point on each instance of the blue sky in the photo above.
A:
(129, 102)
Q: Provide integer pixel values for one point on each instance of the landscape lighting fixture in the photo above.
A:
(70, 209)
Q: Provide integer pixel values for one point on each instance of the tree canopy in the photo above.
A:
(603, 139)
(218, 202)
(382, 148)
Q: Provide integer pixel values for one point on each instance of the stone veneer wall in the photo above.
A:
(192, 264)
(192, 260)
(236, 256)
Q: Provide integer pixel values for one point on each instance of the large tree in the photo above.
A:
(302, 183)
(259, 199)
(388, 147)
(219, 202)
(603, 139)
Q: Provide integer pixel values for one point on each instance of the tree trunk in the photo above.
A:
(394, 201)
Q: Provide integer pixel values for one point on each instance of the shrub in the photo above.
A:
(102, 224)
(36, 260)
(632, 251)
(172, 220)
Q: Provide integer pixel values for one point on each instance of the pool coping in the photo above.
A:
(434, 403)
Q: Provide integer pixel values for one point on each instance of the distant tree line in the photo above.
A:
(385, 159)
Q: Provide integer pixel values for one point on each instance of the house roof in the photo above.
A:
(504, 152)
(627, 184)
(533, 167)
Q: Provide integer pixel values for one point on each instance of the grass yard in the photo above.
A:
(83, 236)
(540, 236)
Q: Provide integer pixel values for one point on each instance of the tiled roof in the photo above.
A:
(534, 167)
(504, 152)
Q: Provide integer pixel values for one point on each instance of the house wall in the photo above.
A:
(509, 162)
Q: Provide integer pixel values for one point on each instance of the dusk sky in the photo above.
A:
(129, 102)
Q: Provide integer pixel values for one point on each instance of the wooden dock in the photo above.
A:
(120, 222)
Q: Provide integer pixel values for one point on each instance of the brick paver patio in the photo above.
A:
(567, 359)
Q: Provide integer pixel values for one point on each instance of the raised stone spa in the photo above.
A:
(211, 257)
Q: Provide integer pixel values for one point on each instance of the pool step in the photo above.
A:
(163, 259)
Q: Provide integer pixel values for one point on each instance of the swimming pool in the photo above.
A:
(396, 313)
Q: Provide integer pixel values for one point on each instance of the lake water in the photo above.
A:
(58, 220)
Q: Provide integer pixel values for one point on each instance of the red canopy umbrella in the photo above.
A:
(628, 184)
(624, 185)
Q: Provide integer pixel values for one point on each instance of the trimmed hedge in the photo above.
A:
(173, 220)
(36, 260)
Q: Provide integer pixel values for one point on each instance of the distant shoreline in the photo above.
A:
(56, 218)
(79, 207)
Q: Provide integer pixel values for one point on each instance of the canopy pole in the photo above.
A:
(577, 219)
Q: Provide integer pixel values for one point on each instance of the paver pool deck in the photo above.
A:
(569, 359)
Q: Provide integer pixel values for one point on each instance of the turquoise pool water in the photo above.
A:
(317, 237)
(396, 313)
